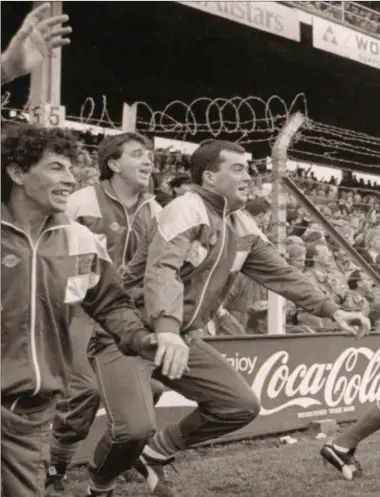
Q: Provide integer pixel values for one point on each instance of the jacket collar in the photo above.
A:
(218, 202)
(54, 221)
(142, 197)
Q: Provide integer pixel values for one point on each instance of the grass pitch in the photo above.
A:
(258, 468)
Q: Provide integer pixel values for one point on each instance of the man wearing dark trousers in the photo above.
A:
(120, 214)
(203, 240)
(50, 265)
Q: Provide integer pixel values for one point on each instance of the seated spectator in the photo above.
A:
(180, 184)
(372, 247)
(345, 229)
(258, 206)
(332, 193)
(163, 197)
(261, 210)
(360, 286)
(343, 260)
(242, 294)
(312, 236)
(295, 240)
(374, 317)
(296, 256)
(258, 318)
(318, 261)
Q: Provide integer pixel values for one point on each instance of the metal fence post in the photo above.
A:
(276, 303)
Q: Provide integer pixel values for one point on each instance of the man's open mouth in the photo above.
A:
(62, 193)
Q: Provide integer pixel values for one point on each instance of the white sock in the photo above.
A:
(341, 449)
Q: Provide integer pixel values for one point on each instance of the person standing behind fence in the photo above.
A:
(120, 213)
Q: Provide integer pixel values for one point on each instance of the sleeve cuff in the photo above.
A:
(133, 346)
(166, 324)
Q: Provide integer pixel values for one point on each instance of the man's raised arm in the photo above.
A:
(268, 268)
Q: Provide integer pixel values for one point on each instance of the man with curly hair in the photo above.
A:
(49, 266)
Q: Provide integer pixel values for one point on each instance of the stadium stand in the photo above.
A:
(363, 15)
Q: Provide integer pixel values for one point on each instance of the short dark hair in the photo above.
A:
(112, 148)
(207, 157)
(311, 251)
(353, 279)
(24, 145)
(179, 180)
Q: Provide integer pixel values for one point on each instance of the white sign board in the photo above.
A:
(271, 17)
(346, 42)
(48, 115)
(182, 146)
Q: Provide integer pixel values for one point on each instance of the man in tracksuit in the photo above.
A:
(49, 266)
(121, 214)
(203, 240)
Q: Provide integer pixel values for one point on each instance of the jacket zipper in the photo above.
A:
(129, 221)
(33, 299)
(212, 269)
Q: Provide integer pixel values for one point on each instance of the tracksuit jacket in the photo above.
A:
(42, 283)
(98, 208)
(195, 255)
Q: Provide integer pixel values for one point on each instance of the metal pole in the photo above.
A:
(45, 81)
(55, 64)
(276, 303)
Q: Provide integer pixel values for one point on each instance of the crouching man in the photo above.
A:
(49, 265)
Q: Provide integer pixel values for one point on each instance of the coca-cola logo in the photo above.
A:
(354, 376)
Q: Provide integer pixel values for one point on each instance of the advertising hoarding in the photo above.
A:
(346, 42)
(298, 379)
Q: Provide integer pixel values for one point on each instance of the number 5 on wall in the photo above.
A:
(48, 115)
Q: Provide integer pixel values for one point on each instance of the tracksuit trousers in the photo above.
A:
(225, 401)
(101, 377)
(25, 443)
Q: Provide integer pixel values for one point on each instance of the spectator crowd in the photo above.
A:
(352, 206)
(362, 15)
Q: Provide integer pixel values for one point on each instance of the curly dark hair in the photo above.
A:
(25, 145)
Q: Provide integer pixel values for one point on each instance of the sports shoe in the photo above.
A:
(344, 462)
(153, 471)
(55, 480)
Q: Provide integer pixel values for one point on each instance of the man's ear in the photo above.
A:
(16, 174)
(114, 165)
(209, 178)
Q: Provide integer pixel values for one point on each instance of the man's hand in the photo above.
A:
(171, 353)
(37, 36)
(354, 323)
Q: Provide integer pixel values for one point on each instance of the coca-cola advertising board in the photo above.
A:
(297, 379)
